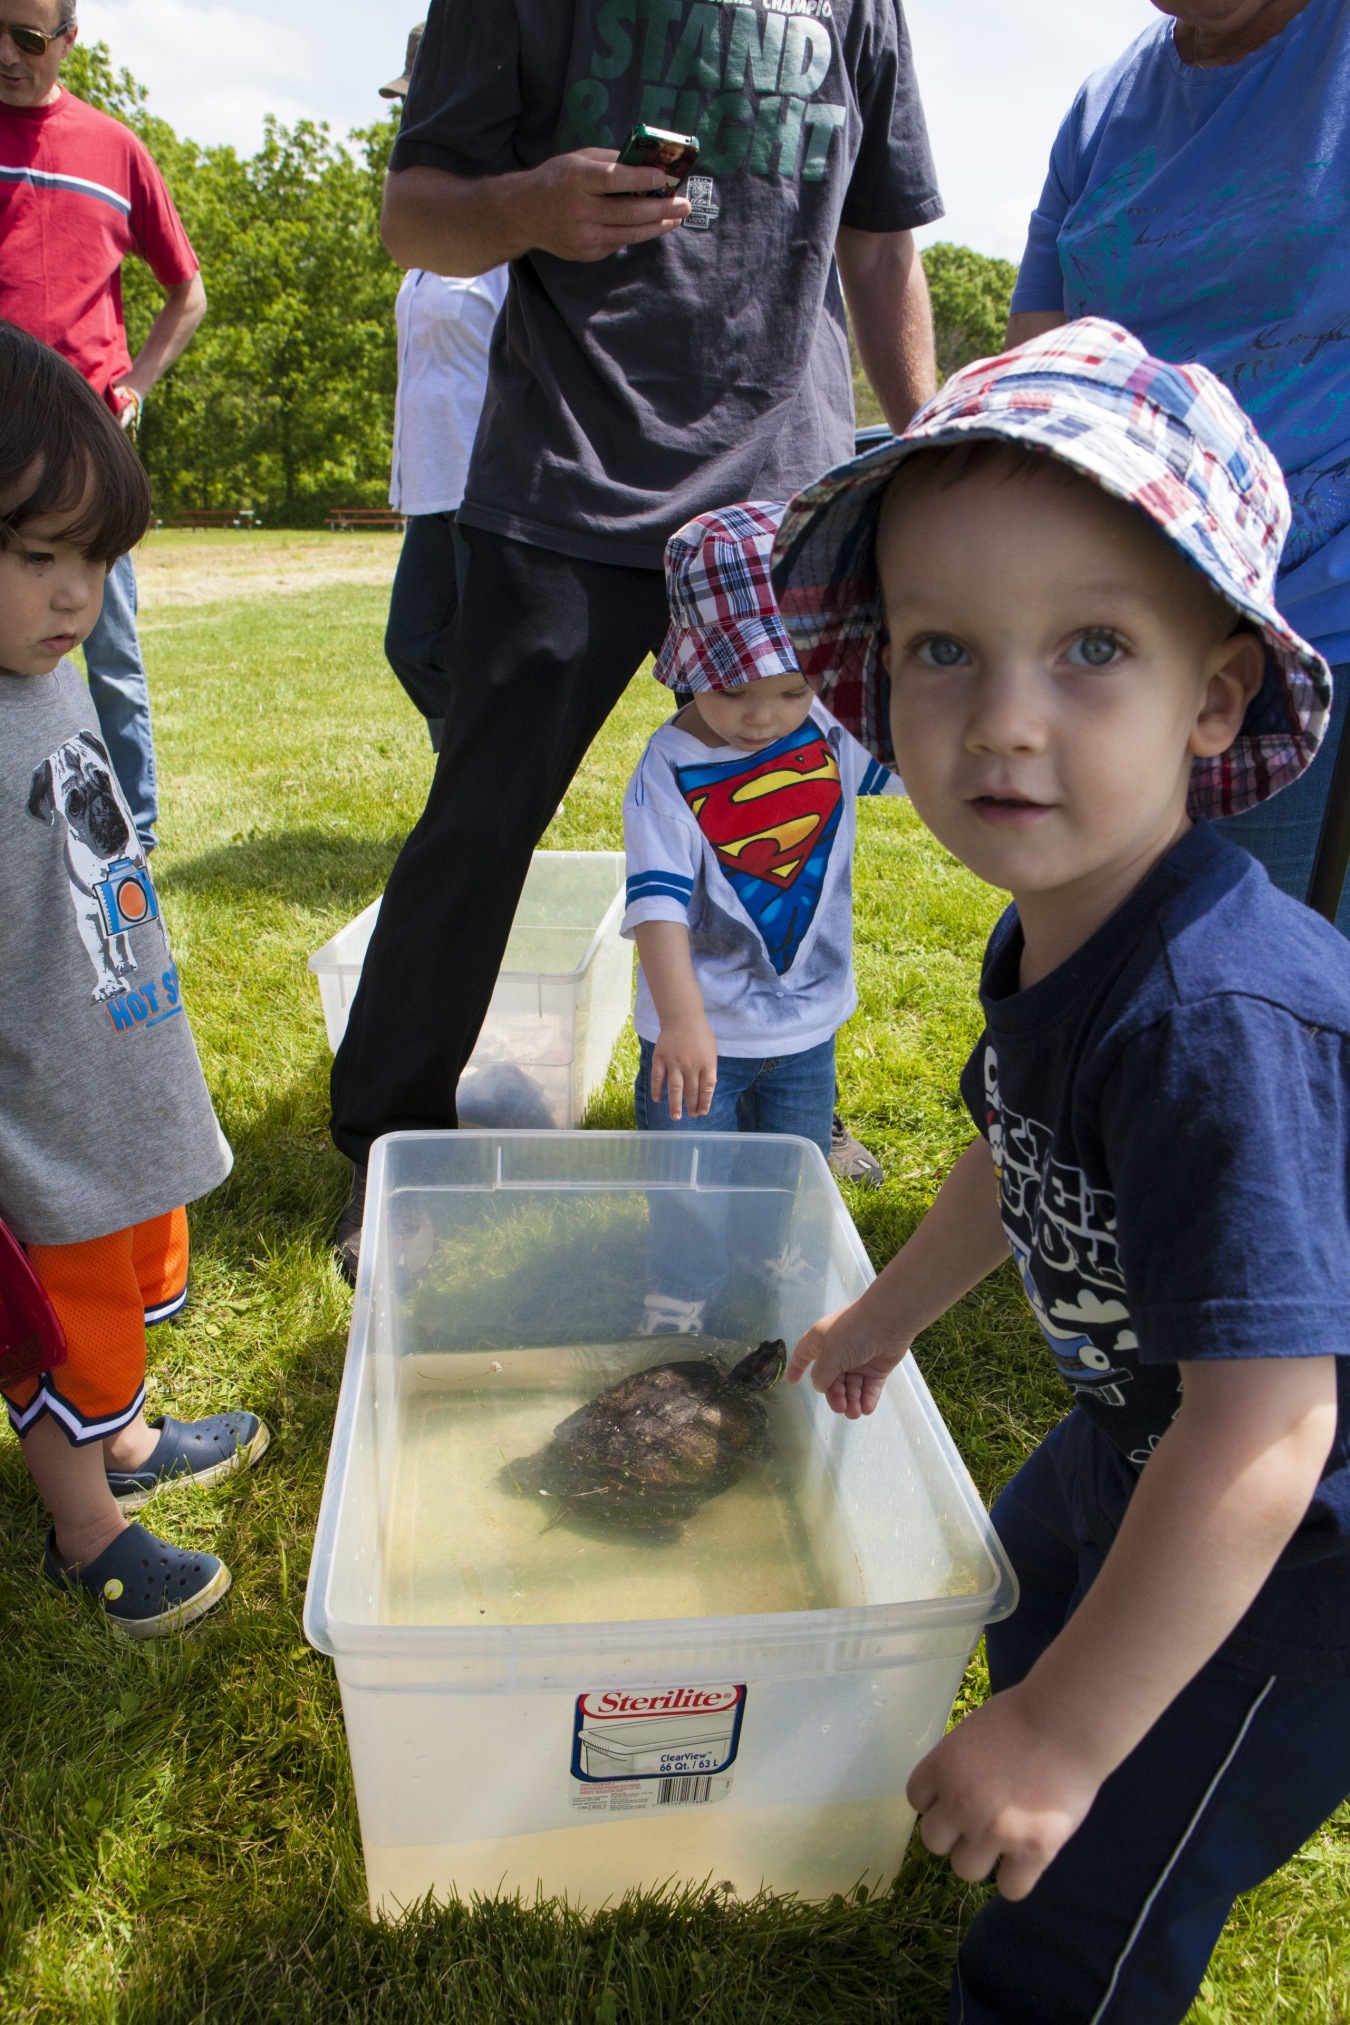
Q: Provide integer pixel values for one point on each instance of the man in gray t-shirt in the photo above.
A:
(656, 357)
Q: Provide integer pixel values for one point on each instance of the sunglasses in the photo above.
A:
(32, 41)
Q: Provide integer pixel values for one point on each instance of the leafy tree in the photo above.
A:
(970, 292)
(284, 400)
(287, 397)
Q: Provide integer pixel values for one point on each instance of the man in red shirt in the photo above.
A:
(78, 192)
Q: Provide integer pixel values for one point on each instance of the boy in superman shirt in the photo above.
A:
(1052, 599)
(739, 831)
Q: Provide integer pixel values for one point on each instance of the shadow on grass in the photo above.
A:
(311, 868)
(659, 1958)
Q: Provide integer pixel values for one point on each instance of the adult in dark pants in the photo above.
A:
(657, 356)
(1199, 193)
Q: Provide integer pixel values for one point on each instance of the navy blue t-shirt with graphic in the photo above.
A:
(1169, 1115)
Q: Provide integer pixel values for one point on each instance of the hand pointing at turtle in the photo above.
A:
(848, 1360)
(852, 1353)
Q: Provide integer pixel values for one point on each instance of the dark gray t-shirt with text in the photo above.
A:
(628, 394)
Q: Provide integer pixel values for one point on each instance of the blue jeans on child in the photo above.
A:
(1231, 1780)
(773, 1093)
(1283, 832)
(689, 1243)
(422, 607)
(116, 676)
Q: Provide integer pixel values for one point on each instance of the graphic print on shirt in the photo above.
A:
(75, 790)
(702, 194)
(1063, 1238)
(772, 824)
(743, 78)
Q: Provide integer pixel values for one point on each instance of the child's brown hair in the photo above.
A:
(62, 452)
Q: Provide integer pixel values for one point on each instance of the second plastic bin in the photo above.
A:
(621, 1724)
(563, 993)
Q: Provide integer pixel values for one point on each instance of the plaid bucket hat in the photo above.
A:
(725, 627)
(1170, 440)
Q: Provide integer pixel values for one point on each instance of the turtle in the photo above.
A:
(646, 1452)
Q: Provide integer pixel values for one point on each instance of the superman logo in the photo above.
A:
(771, 824)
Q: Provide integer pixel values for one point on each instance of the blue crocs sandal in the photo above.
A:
(191, 1451)
(145, 1587)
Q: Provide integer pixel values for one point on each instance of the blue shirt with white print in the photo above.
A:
(1169, 1115)
(1209, 212)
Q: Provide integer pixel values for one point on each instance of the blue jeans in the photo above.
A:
(116, 675)
(775, 1093)
(1231, 1780)
(422, 606)
(1283, 832)
(690, 1242)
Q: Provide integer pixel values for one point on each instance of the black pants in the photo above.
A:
(422, 607)
(542, 649)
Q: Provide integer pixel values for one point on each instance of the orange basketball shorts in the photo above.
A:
(105, 1291)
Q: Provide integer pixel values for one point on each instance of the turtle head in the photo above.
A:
(763, 1367)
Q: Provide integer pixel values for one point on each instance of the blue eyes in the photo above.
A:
(1094, 650)
(1097, 649)
(941, 651)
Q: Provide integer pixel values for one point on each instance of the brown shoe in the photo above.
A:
(347, 1237)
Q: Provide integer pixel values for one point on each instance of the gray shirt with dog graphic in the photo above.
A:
(104, 1114)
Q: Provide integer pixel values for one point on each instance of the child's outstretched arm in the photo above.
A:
(684, 1063)
(1219, 1499)
(853, 1352)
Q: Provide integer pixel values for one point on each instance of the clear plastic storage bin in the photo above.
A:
(537, 1700)
(563, 993)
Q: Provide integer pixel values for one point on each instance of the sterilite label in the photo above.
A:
(640, 1748)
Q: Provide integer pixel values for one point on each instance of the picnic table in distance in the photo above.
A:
(211, 516)
(345, 518)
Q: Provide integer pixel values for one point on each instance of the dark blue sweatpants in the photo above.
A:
(1231, 1780)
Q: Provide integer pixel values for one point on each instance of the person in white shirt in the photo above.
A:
(444, 332)
(739, 826)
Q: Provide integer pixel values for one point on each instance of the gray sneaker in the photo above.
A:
(849, 1159)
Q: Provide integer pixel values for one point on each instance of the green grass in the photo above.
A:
(180, 1837)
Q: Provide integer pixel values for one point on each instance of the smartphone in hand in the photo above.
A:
(654, 148)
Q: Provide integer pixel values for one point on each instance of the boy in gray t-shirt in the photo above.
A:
(106, 1128)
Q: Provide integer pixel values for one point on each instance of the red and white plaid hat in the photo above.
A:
(1170, 440)
(724, 624)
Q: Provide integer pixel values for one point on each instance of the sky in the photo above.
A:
(996, 75)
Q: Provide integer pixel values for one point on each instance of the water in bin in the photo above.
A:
(509, 1508)
(734, 1682)
(626, 1477)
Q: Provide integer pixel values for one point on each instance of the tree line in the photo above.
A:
(284, 401)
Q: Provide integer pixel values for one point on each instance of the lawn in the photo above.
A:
(181, 1841)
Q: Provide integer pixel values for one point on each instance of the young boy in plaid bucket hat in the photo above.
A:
(739, 832)
(1052, 602)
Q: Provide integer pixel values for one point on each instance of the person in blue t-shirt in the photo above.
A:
(1051, 604)
(1199, 193)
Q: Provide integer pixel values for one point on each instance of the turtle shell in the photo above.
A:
(647, 1451)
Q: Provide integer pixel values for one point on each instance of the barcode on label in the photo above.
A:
(683, 1792)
